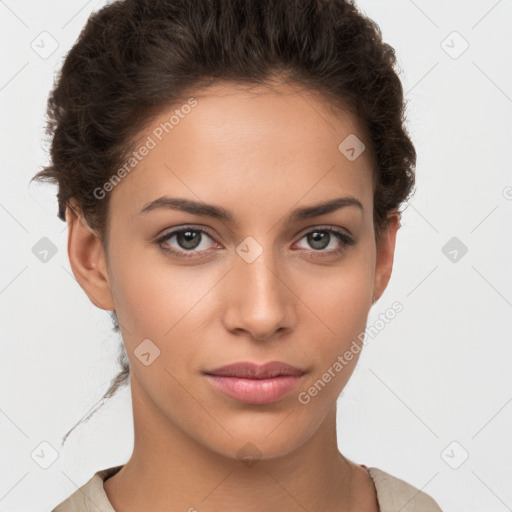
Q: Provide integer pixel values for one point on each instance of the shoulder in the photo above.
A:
(91, 497)
(395, 494)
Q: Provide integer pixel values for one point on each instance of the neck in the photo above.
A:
(169, 470)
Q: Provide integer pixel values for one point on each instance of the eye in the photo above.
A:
(189, 241)
(323, 237)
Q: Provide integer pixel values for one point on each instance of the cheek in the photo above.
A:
(342, 297)
(336, 320)
(149, 293)
(163, 302)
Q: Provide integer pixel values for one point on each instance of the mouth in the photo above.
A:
(248, 370)
(256, 384)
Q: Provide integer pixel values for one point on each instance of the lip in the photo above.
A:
(249, 370)
(257, 384)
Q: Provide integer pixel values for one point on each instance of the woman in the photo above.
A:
(231, 173)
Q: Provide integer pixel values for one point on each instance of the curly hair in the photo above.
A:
(135, 58)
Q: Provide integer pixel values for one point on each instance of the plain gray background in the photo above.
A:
(429, 401)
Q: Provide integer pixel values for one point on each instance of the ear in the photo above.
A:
(385, 255)
(87, 258)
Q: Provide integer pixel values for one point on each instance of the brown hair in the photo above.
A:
(134, 58)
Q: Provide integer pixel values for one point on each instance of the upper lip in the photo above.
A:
(250, 370)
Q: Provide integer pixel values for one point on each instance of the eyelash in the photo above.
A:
(342, 237)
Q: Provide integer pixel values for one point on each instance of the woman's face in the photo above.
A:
(260, 286)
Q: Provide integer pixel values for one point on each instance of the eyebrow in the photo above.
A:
(217, 212)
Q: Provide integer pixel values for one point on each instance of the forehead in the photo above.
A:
(267, 147)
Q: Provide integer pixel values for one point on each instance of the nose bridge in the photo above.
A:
(260, 301)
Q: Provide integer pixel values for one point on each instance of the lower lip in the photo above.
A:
(255, 391)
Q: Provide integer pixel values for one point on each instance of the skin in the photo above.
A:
(259, 153)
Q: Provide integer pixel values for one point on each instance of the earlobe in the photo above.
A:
(385, 255)
(87, 258)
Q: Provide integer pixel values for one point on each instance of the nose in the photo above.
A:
(259, 300)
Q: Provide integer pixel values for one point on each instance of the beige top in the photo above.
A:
(393, 494)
